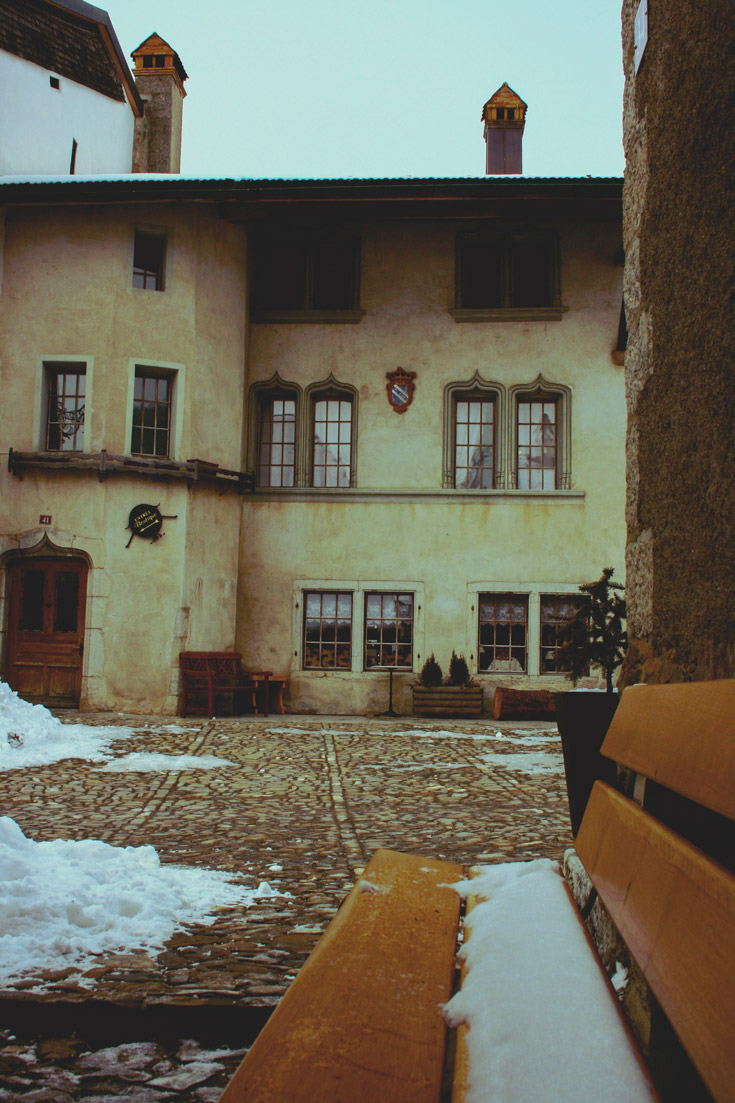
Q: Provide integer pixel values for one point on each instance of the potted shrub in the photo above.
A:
(457, 696)
(594, 637)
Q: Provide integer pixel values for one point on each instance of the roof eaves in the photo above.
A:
(110, 39)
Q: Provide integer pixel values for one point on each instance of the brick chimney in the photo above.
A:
(159, 78)
(504, 116)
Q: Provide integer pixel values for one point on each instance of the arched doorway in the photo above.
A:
(46, 613)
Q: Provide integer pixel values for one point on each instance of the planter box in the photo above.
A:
(447, 701)
(522, 704)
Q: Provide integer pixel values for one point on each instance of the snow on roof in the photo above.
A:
(168, 178)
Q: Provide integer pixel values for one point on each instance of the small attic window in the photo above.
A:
(511, 112)
(500, 113)
(148, 61)
(55, 83)
(160, 61)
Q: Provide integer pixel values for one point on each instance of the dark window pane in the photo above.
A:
(333, 275)
(66, 603)
(148, 257)
(31, 602)
(481, 272)
(281, 275)
(531, 272)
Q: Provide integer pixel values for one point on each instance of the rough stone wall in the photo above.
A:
(157, 146)
(679, 233)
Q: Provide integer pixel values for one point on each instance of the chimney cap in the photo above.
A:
(495, 111)
(156, 47)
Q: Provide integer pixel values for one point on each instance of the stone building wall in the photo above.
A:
(679, 234)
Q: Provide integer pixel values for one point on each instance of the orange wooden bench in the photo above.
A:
(362, 1022)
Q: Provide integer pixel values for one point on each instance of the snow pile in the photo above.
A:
(143, 762)
(31, 736)
(62, 903)
(542, 1023)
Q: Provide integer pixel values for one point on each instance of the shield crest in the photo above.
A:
(400, 388)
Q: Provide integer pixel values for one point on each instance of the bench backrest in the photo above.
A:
(657, 858)
(216, 662)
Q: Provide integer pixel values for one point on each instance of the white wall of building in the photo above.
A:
(38, 124)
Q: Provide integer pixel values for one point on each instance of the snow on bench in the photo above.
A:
(536, 1019)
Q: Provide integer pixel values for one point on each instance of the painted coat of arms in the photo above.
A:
(400, 388)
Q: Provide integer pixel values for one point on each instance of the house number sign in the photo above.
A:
(145, 521)
(400, 388)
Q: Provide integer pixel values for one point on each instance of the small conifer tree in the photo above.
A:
(594, 635)
(459, 672)
(431, 672)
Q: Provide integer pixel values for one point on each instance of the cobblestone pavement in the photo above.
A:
(313, 796)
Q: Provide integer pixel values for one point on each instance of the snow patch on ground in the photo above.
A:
(529, 738)
(143, 762)
(31, 736)
(64, 903)
(527, 762)
(542, 1023)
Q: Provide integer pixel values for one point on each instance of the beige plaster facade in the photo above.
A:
(68, 298)
(401, 527)
(233, 570)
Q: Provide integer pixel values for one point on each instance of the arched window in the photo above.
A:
(332, 443)
(274, 438)
(473, 413)
(541, 436)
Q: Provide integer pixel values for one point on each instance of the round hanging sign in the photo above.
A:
(145, 521)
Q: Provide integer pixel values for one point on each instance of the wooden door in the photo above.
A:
(47, 600)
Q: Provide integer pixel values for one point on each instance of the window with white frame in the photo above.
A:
(537, 451)
(503, 633)
(152, 408)
(331, 457)
(514, 439)
(300, 439)
(474, 440)
(327, 642)
(276, 448)
(556, 610)
(65, 401)
(388, 630)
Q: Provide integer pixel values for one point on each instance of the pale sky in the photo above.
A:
(336, 89)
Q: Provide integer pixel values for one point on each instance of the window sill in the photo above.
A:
(509, 314)
(385, 494)
(309, 317)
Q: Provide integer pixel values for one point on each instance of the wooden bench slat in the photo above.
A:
(659, 731)
(361, 1023)
(674, 908)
